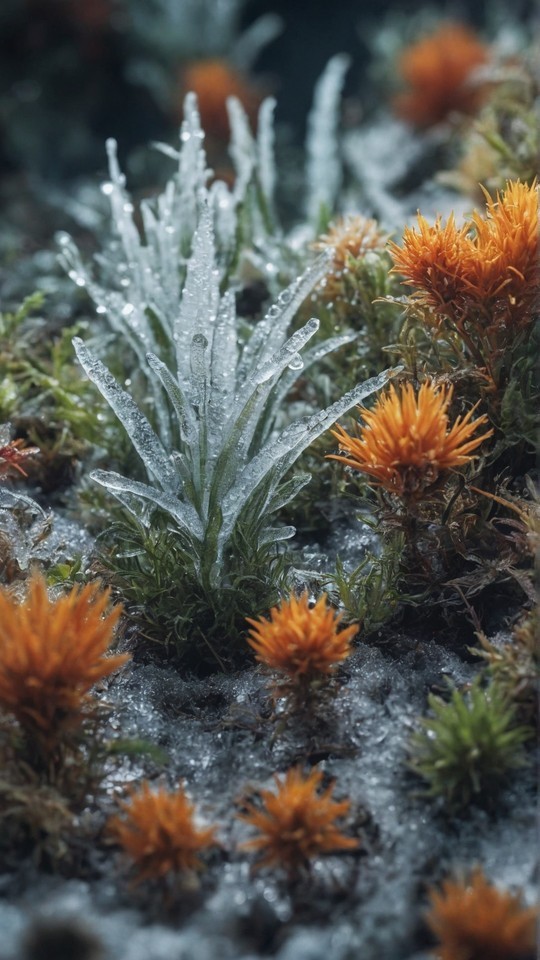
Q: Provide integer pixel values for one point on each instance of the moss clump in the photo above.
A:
(469, 745)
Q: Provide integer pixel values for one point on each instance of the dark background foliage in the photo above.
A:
(66, 83)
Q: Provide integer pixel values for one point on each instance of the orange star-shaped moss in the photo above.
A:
(475, 921)
(158, 832)
(52, 652)
(296, 823)
(299, 641)
(438, 71)
(405, 442)
(484, 274)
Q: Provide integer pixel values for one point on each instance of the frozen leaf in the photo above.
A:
(323, 169)
(143, 438)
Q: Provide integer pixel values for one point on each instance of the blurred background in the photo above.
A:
(74, 72)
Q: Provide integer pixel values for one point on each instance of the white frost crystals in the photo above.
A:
(222, 464)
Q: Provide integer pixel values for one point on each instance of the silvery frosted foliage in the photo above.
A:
(24, 526)
(379, 157)
(137, 281)
(180, 29)
(323, 162)
(220, 465)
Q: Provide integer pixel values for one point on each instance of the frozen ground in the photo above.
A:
(219, 738)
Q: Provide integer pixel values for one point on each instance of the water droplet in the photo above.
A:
(296, 362)
(107, 188)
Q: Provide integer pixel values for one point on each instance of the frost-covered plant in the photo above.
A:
(24, 525)
(323, 159)
(206, 412)
(216, 472)
(138, 278)
(178, 29)
(370, 593)
(140, 273)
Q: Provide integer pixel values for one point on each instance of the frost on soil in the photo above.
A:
(207, 729)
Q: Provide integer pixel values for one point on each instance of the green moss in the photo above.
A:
(469, 745)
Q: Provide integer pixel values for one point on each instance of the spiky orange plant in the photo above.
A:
(508, 242)
(484, 274)
(438, 70)
(348, 239)
(406, 442)
(51, 653)
(214, 80)
(476, 921)
(158, 832)
(301, 642)
(296, 823)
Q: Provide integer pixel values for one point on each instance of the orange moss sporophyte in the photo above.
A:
(299, 641)
(485, 273)
(296, 822)
(475, 921)
(157, 830)
(406, 441)
(439, 72)
(52, 652)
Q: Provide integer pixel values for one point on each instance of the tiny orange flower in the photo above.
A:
(438, 70)
(213, 81)
(296, 823)
(300, 641)
(158, 832)
(348, 239)
(405, 442)
(51, 653)
(485, 273)
(475, 921)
